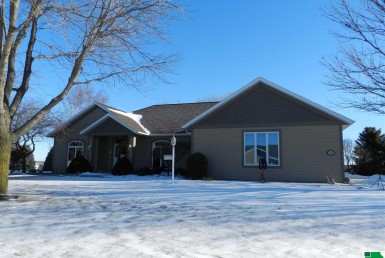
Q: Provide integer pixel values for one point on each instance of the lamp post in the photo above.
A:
(173, 143)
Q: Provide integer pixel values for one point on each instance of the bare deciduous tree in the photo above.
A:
(86, 41)
(211, 98)
(25, 145)
(348, 145)
(81, 97)
(359, 67)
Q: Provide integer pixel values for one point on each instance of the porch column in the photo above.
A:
(131, 149)
(95, 156)
(89, 148)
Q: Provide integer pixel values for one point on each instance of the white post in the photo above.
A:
(173, 143)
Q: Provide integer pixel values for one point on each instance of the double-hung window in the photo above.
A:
(258, 145)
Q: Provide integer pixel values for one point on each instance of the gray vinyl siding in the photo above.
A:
(72, 133)
(302, 149)
(143, 152)
(110, 127)
(183, 151)
(264, 106)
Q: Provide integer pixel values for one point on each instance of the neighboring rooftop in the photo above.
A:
(169, 118)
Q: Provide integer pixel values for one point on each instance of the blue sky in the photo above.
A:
(226, 44)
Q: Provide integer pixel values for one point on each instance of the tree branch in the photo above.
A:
(76, 70)
(14, 7)
(27, 70)
(359, 68)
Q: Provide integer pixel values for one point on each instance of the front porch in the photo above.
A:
(143, 152)
(103, 135)
(106, 150)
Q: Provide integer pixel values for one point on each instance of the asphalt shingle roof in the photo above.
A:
(169, 118)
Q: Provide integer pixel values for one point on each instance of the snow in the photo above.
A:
(135, 117)
(16, 172)
(372, 181)
(99, 215)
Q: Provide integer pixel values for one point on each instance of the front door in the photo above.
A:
(120, 150)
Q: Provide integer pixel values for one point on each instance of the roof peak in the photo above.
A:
(108, 106)
(186, 103)
(177, 104)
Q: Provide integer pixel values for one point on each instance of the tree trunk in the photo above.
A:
(5, 157)
(24, 164)
(5, 149)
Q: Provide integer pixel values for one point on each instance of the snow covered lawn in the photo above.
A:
(149, 217)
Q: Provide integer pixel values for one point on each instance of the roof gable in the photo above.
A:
(88, 115)
(107, 125)
(253, 106)
(128, 120)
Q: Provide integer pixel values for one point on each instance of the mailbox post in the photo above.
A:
(173, 143)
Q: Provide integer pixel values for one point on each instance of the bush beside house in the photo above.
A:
(123, 167)
(196, 166)
(78, 165)
(48, 161)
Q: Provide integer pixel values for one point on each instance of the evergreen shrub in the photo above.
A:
(122, 167)
(196, 166)
(48, 161)
(78, 165)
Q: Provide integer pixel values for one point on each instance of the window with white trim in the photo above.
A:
(259, 145)
(75, 148)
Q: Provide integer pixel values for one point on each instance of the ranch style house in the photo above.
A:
(300, 140)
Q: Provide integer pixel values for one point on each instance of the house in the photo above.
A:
(39, 165)
(300, 140)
